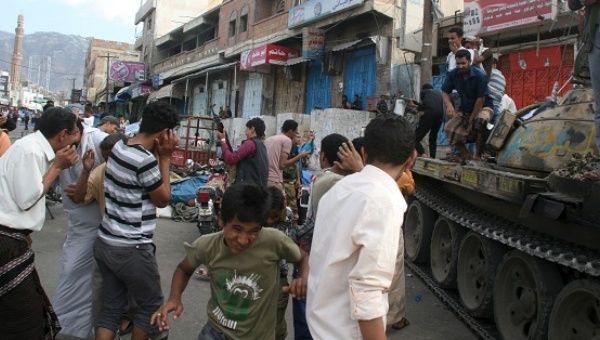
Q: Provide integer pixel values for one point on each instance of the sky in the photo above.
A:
(103, 19)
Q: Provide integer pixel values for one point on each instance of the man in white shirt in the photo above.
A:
(27, 171)
(73, 297)
(455, 37)
(356, 238)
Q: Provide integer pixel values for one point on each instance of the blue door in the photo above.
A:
(360, 74)
(318, 87)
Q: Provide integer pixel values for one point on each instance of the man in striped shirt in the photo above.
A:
(136, 183)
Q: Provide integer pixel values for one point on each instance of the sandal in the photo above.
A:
(401, 324)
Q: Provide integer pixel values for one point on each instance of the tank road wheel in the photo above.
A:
(417, 231)
(478, 260)
(524, 290)
(576, 312)
(445, 243)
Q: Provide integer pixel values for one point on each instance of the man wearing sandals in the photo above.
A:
(471, 85)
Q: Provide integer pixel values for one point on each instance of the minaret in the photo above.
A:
(17, 58)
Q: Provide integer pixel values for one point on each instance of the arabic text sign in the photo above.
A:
(313, 42)
(266, 54)
(128, 71)
(485, 16)
(312, 10)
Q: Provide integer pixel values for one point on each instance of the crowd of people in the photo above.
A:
(112, 186)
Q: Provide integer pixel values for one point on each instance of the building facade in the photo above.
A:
(99, 55)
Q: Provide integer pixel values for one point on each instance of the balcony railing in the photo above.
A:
(208, 49)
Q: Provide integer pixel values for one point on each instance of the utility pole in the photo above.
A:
(73, 80)
(107, 56)
(426, 51)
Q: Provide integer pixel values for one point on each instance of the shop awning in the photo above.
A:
(124, 93)
(356, 43)
(187, 68)
(167, 91)
(345, 46)
(207, 70)
(295, 61)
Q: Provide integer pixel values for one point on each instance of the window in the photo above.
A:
(189, 45)
(244, 19)
(232, 23)
(149, 23)
(279, 6)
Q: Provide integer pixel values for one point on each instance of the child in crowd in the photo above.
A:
(243, 260)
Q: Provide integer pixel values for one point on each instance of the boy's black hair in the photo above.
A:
(248, 202)
(330, 145)
(389, 139)
(56, 119)
(288, 125)
(427, 86)
(158, 116)
(109, 141)
(358, 143)
(464, 53)
(277, 199)
(258, 125)
(458, 30)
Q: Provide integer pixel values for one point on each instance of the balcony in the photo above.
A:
(307, 12)
(210, 48)
(144, 10)
(139, 42)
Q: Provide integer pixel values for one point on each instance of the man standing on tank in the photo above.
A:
(591, 41)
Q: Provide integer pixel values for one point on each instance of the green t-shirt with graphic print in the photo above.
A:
(244, 287)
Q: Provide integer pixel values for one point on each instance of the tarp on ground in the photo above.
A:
(185, 190)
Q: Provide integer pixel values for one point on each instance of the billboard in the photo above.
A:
(312, 10)
(313, 42)
(266, 54)
(487, 16)
(128, 71)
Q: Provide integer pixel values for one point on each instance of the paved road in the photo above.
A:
(430, 320)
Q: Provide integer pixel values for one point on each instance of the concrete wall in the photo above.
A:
(236, 129)
(348, 123)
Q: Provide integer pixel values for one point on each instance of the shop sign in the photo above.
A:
(266, 54)
(313, 42)
(140, 90)
(128, 71)
(487, 16)
(312, 10)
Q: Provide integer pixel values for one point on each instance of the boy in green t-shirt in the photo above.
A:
(243, 261)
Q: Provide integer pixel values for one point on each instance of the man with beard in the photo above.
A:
(471, 85)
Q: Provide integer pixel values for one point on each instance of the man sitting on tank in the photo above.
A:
(471, 85)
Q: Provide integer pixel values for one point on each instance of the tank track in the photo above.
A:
(477, 328)
(509, 233)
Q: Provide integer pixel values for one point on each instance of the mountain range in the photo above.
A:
(67, 58)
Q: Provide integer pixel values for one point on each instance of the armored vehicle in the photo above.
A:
(518, 240)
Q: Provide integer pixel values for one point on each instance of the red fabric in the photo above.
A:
(247, 149)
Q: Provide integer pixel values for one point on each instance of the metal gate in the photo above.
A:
(318, 87)
(360, 72)
(252, 96)
(199, 101)
(219, 95)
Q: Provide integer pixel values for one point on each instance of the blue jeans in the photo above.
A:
(208, 332)
(301, 331)
(594, 61)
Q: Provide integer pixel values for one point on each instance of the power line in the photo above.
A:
(35, 69)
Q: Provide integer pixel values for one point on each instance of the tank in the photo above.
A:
(517, 241)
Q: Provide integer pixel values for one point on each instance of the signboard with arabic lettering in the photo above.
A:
(313, 42)
(128, 71)
(487, 16)
(312, 10)
(266, 54)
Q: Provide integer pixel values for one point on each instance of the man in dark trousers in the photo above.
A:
(432, 106)
(471, 85)
(591, 41)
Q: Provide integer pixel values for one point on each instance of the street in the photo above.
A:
(429, 318)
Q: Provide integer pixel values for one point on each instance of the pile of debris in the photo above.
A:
(585, 168)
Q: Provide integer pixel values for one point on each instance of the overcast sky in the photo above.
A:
(103, 19)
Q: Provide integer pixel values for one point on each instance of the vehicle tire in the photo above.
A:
(524, 291)
(576, 312)
(418, 227)
(478, 261)
(445, 244)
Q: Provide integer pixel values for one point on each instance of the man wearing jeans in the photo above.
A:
(592, 46)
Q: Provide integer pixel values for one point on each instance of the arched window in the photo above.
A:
(232, 23)
(244, 19)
